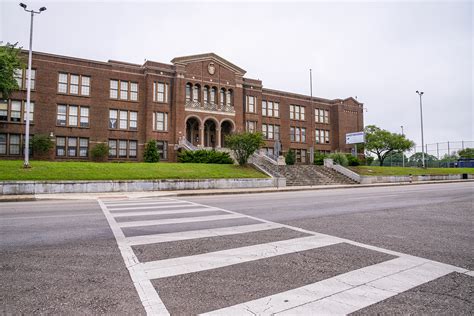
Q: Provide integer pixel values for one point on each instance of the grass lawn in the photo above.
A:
(49, 170)
(400, 171)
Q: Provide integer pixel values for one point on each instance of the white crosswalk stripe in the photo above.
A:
(338, 295)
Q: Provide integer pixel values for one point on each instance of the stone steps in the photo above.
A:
(303, 175)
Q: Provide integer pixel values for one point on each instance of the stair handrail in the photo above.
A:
(186, 143)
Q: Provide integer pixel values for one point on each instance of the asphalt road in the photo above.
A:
(61, 257)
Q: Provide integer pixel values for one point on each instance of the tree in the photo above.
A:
(243, 145)
(41, 144)
(382, 142)
(417, 159)
(10, 60)
(100, 152)
(466, 153)
(290, 157)
(151, 152)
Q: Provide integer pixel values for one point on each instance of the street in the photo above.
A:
(364, 251)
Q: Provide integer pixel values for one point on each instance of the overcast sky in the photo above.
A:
(381, 52)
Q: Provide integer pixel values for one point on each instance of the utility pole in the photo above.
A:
(403, 153)
(311, 149)
(420, 93)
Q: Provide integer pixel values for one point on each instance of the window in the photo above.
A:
(124, 90)
(160, 93)
(133, 120)
(113, 119)
(123, 119)
(3, 144)
(321, 116)
(222, 97)
(322, 136)
(297, 112)
(300, 155)
(271, 109)
(188, 92)
(161, 121)
(21, 76)
(196, 91)
(73, 84)
(15, 111)
(123, 122)
(264, 108)
(162, 147)
(3, 110)
(32, 111)
(251, 126)
(251, 104)
(213, 95)
(206, 94)
(122, 148)
(14, 145)
(72, 146)
(228, 96)
(298, 134)
(72, 116)
(271, 131)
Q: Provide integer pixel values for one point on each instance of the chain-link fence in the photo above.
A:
(443, 154)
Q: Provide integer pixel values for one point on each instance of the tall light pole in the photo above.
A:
(403, 153)
(26, 163)
(420, 93)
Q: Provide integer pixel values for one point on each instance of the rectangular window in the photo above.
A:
(73, 113)
(297, 112)
(21, 76)
(161, 121)
(133, 120)
(298, 134)
(162, 147)
(300, 155)
(271, 131)
(84, 120)
(123, 120)
(264, 108)
(122, 148)
(72, 147)
(133, 91)
(3, 110)
(74, 84)
(321, 116)
(18, 74)
(60, 146)
(292, 134)
(277, 132)
(326, 137)
(3, 144)
(62, 83)
(251, 104)
(14, 145)
(251, 126)
(32, 111)
(276, 109)
(113, 115)
(114, 89)
(15, 111)
(132, 149)
(124, 90)
(322, 136)
(265, 131)
(161, 92)
(83, 147)
(33, 79)
(112, 148)
(85, 85)
(61, 116)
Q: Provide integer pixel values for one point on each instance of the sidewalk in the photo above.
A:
(136, 195)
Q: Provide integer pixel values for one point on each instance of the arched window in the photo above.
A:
(228, 99)
(213, 95)
(206, 94)
(196, 91)
(188, 92)
(222, 97)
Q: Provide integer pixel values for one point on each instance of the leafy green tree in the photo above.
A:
(290, 157)
(243, 145)
(417, 159)
(382, 142)
(100, 152)
(352, 160)
(466, 153)
(151, 152)
(10, 59)
(395, 159)
(41, 144)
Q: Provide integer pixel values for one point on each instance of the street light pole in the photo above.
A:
(403, 153)
(420, 93)
(26, 163)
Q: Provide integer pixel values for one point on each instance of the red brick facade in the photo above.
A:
(201, 98)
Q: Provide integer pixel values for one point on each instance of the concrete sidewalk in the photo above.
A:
(122, 195)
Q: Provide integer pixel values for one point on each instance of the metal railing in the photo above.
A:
(187, 144)
(209, 106)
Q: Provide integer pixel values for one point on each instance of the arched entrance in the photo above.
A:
(192, 131)
(227, 127)
(210, 135)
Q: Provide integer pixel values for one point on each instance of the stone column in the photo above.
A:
(201, 135)
(218, 132)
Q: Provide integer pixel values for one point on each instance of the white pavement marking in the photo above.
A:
(143, 213)
(145, 203)
(347, 292)
(149, 207)
(194, 234)
(148, 295)
(179, 220)
(471, 273)
(206, 261)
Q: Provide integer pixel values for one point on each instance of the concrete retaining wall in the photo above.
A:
(39, 187)
(399, 179)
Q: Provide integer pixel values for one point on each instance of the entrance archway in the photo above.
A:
(210, 135)
(192, 130)
(227, 127)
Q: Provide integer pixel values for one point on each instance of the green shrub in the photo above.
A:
(352, 160)
(41, 144)
(339, 158)
(243, 145)
(205, 156)
(290, 157)
(151, 152)
(319, 158)
(100, 152)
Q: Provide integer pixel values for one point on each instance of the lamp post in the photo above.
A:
(420, 93)
(403, 153)
(26, 163)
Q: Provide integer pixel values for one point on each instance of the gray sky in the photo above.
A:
(381, 52)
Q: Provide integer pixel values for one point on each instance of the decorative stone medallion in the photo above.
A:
(211, 68)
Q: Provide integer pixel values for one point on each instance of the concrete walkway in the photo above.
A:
(121, 195)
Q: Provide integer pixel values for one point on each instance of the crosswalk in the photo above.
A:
(163, 240)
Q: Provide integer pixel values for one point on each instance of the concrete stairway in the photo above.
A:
(300, 175)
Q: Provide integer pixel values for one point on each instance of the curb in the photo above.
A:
(36, 197)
